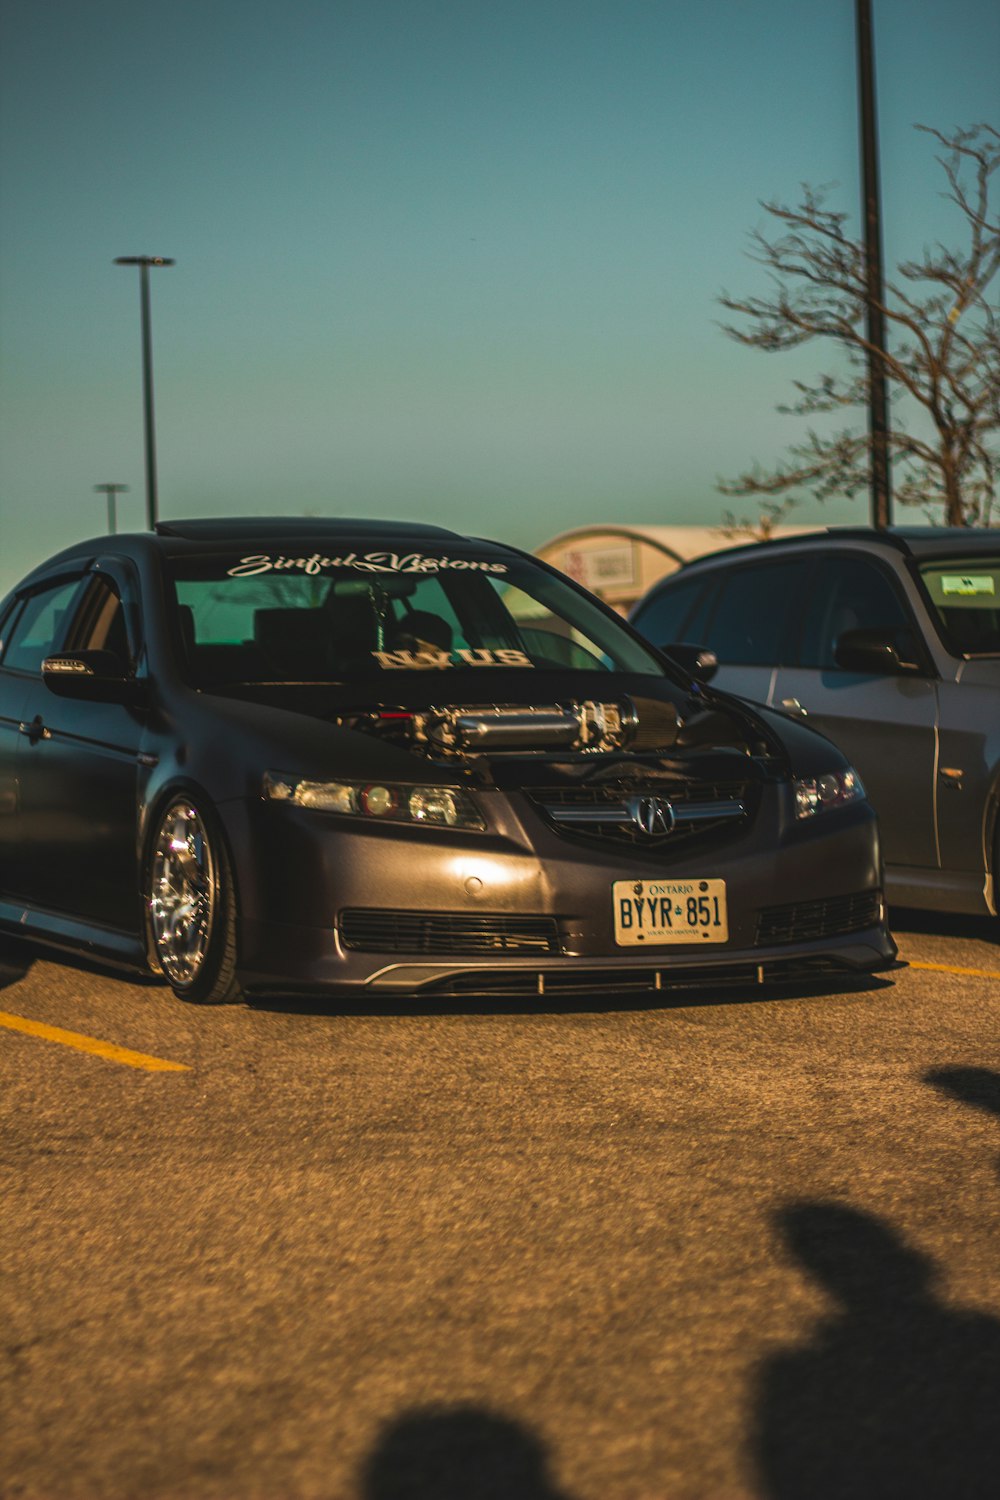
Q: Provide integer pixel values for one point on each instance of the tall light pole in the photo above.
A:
(111, 490)
(878, 409)
(144, 262)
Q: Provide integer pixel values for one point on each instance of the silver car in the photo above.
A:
(889, 643)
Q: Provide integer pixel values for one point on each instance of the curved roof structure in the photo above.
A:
(678, 542)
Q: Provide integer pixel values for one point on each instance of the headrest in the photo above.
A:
(290, 627)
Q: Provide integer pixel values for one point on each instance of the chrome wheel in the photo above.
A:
(183, 893)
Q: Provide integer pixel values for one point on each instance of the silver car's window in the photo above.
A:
(329, 619)
(850, 593)
(965, 596)
(672, 616)
(753, 622)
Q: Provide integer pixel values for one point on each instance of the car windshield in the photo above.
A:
(965, 595)
(310, 617)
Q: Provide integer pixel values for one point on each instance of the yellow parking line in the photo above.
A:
(91, 1044)
(952, 969)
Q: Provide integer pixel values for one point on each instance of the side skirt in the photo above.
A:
(969, 891)
(122, 949)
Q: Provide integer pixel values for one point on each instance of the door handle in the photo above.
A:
(793, 706)
(36, 730)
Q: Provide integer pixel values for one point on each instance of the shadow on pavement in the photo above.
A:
(25, 952)
(896, 1395)
(457, 1453)
(16, 958)
(979, 1087)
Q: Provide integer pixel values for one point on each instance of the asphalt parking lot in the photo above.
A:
(717, 1246)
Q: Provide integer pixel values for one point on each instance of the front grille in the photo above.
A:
(805, 921)
(445, 933)
(602, 812)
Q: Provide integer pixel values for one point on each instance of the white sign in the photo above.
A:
(966, 583)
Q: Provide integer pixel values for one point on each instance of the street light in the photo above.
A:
(144, 262)
(111, 490)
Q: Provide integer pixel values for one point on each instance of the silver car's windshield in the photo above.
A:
(314, 618)
(965, 595)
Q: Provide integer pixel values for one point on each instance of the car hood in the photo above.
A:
(421, 731)
(809, 752)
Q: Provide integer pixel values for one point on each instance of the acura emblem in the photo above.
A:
(652, 816)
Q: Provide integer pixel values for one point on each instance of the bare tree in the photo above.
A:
(943, 331)
(769, 518)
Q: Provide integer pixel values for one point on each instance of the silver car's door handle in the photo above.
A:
(793, 706)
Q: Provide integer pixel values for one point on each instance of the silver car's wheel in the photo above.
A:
(191, 906)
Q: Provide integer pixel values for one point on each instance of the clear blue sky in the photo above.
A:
(448, 259)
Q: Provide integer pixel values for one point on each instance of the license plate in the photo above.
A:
(651, 912)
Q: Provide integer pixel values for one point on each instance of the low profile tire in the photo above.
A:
(191, 905)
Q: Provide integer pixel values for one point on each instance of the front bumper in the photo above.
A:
(297, 871)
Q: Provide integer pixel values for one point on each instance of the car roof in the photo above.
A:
(281, 528)
(912, 541)
(205, 535)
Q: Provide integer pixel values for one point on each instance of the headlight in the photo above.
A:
(438, 806)
(818, 794)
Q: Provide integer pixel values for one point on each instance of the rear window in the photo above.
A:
(965, 596)
(284, 618)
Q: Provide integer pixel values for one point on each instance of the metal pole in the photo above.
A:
(147, 400)
(144, 262)
(878, 411)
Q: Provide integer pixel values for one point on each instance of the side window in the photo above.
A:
(37, 630)
(753, 623)
(100, 622)
(664, 618)
(851, 593)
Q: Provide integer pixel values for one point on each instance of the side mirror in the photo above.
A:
(697, 661)
(94, 676)
(879, 652)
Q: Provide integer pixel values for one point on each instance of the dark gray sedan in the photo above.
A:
(890, 644)
(279, 755)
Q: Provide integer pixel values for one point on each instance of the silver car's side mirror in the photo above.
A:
(698, 661)
(874, 651)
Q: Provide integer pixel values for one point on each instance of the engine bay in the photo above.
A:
(583, 727)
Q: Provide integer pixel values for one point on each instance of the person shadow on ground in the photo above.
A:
(897, 1396)
(457, 1453)
(978, 1087)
